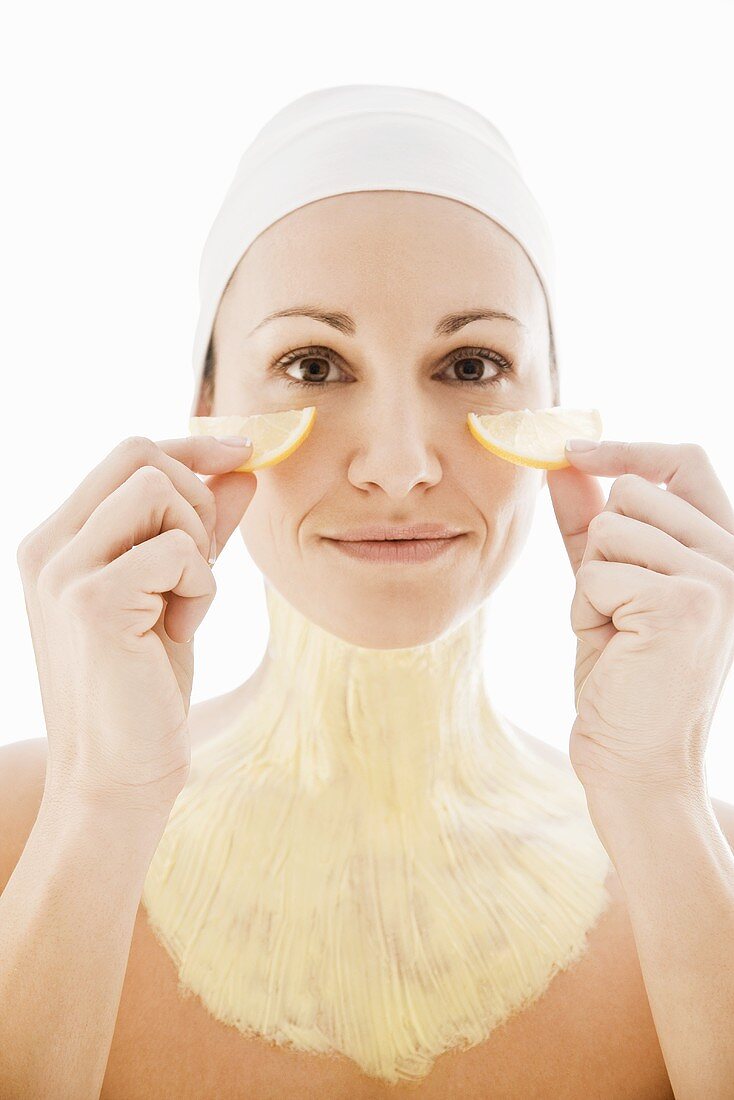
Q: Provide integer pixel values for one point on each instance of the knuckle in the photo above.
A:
(582, 574)
(600, 522)
(81, 597)
(136, 444)
(624, 485)
(181, 541)
(30, 554)
(153, 479)
(623, 491)
(49, 579)
(695, 594)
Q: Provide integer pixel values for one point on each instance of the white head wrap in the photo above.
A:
(367, 137)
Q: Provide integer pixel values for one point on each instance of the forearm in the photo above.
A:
(677, 872)
(66, 921)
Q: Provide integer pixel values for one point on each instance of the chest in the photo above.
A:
(590, 1034)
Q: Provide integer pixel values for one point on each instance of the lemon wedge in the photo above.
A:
(274, 435)
(534, 437)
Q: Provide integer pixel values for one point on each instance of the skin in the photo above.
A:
(390, 443)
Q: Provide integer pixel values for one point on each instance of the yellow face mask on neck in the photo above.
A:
(367, 861)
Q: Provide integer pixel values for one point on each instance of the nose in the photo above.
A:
(395, 446)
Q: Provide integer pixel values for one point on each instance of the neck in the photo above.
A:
(399, 728)
(367, 861)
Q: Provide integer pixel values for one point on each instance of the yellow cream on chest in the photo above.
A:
(368, 861)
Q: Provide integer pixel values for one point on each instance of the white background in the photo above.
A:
(122, 131)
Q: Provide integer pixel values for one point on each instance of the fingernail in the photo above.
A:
(213, 549)
(234, 440)
(581, 444)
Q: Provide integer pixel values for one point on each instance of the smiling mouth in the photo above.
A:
(380, 542)
(397, 551)
(415, 532)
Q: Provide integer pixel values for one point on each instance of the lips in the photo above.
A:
(395, 551)
(384, 532)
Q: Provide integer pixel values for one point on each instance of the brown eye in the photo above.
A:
(312, 364)
(315, 360)
(477, 365)
(478, 356)
(308, 358)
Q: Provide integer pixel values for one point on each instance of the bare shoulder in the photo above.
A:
(22, 779)
(23, 776)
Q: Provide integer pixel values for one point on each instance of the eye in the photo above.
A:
(313, 355)
(479, 355)
(309, 357)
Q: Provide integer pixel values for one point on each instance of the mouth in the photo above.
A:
(407, 551)
(387, 533)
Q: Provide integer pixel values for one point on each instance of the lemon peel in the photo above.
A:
(534, 437)
(275, 435)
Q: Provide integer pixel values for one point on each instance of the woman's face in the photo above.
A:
(390, 443)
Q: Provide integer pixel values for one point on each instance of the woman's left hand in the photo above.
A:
(653, 613)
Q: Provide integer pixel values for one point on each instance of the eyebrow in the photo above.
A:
(445, 326)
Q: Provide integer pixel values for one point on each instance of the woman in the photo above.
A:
(365, 881)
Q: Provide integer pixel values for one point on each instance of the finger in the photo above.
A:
(617, 538)
(137, 512)
(140, 509)
(615, 593)
(684, 468)
(233, 491)
(619, 541)
(169, 563)
(178, 458)
(576, 497)
(638, 498)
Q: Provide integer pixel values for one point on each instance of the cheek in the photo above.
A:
(278, 515)
(506, 509)
(504, 495)
(486, 477)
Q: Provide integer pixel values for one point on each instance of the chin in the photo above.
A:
(402, 623)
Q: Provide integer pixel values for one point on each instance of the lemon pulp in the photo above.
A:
(534, 437)
(274, 435)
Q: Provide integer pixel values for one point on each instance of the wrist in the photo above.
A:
(110, 815)
(627, 816)
(647, 797)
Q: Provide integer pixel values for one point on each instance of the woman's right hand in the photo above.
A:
(116, 581)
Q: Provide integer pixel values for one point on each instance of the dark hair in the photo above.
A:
(207, 379)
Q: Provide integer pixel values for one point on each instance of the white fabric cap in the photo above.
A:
(367, 137)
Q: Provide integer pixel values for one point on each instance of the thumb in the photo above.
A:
(576, 497)
(233, 492)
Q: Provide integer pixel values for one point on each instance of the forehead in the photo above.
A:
(391, 246)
